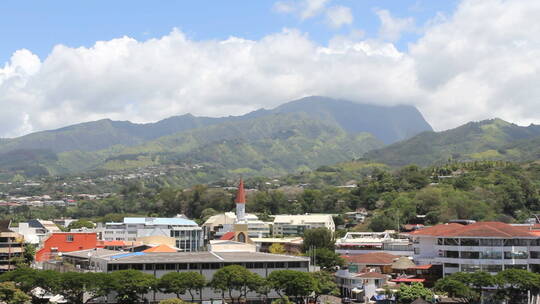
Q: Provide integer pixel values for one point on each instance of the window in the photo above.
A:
(451, 242)
(149, 267)
(491, 268)
(491, 242)
(440, 241)
(492, 255)
(170, 266)
(516, 242)
(451, 254)
(470, 267)
(511, 255)
(160, 266)
(69, 238)
(470, 255)
(416, 250)
(137, 266)
(451, 265)
(470, 242)
(182, 266)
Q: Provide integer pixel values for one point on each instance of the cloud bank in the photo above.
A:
(481, 62)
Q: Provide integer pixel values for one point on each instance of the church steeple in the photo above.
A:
(240, 203)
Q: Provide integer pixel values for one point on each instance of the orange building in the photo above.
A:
(65, 242)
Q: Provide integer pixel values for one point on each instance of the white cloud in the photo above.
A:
(480, 62)
(337, 16)
(392, 27)
(305, 9)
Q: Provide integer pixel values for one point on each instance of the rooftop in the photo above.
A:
(373, 258)
(298, 219)
(119, 257)
(479, 229)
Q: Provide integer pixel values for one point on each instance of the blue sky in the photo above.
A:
(39, 25)
(64, 62)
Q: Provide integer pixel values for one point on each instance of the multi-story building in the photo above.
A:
(11, 246)
(35, 231)
(158, 264)
(296, 224)
(218, 225)
(60, 242)
(366, 242)
(187, 233)
(485, 246)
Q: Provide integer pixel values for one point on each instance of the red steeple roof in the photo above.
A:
(240, 194)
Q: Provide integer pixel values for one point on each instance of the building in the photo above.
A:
(296, 224)
(366, 242)
(376, 260)
(187, 234)
(158, 264)
(11, 246)
(486, 246)
(62, 242)
(35, 231)
(219, 225)
(292, 245)
(361, 287)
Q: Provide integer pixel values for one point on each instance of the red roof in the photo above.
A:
(423, 267)
(227, 236)
(373, 258)
(111, 243)
(479, 229)
(241, 194)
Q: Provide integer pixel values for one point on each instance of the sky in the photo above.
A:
(65, 62)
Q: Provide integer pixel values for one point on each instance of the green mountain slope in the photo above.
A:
(389, 124)
(489, 139)
(273, 144)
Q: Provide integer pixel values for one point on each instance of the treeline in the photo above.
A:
(487, 190)
(232, 282)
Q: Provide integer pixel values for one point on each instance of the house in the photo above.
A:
(35, 231)
(360, 287)
(376, 260)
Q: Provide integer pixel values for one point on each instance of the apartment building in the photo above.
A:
(187, 234)
(11, 246)
(296, 224)
(482, 246)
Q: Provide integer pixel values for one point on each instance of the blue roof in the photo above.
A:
(125, 255)
(159, 221)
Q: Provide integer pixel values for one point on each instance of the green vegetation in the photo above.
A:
(486, 140)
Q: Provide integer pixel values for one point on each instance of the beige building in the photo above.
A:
(218, 225)
(11, 246)
(296, 224)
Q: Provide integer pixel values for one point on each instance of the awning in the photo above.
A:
(423, 267)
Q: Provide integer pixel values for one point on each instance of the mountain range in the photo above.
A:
(493, 139)
(297, 135)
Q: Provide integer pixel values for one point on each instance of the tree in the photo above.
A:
(292, 284)
(277, 248)
(131, 285)
(453, 288)
(73, 285)
(514, 283)
(10, 294)
(180, 282)
(78, 224)
(324, 284)
(29, 253)
(234, 278)
(409, 293)
(318, 238)
(328, 259)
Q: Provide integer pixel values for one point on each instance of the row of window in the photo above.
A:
(486, 268)
(487, 242)
(492, 255)
(197, 266)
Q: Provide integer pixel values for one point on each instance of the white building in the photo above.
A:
(216, 226)
(485, 246)
(35, 231)
(367, 242)
(296, 224)
(187, 233)
(158, 264)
